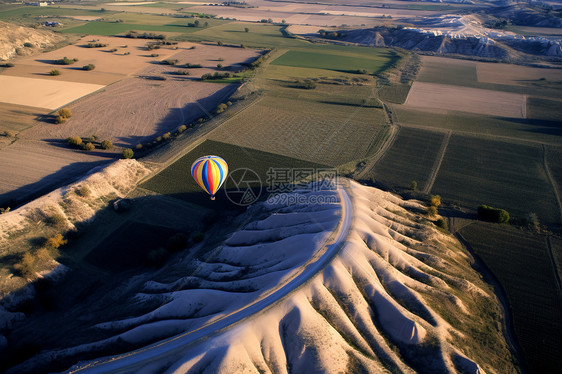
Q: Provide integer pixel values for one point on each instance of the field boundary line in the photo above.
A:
(552, 181)
(394, 129)
(438, 162)
(554, 265)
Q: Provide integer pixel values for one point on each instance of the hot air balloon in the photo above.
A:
(210, 173)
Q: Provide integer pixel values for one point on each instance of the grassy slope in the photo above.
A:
(521, 263)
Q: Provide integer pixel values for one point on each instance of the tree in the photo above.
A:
(219, 66)
(89, 146)
(89, 67)
(128, 153)
(414, 185)
(74, 141)
(491, 214)
(54, 72)
(65, 112)
(107, 144)
(435, 200)
(246, 29)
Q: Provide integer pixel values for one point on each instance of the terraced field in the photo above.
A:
(411, 157)
(522, 265)
(505, 175)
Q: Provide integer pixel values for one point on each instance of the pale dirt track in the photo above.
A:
(428, 96)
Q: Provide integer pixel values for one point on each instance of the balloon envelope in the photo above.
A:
(210, 173)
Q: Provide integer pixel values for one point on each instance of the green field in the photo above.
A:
(524, 129)
(554, 160)
(448, 73)
(346, 63)
(505, 175)
(28, 12)
(411, 157)
(521, 263)
(176, 180)
(396, 93)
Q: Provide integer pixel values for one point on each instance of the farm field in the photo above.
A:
(479, 124)
(491, 76)
(42, 93)
(109, 66)
(16, 118)
(411, 157)
(29, 168)
(338, 62)
(521, 263)
(428, 96)
(175, 181)
(505, 175)
(329, 134)
(554, 161)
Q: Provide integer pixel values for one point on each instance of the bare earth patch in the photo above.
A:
(429, 96)
(42, 93)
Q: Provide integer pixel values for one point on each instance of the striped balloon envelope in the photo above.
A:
(210, 173)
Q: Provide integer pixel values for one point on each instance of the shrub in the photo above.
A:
(156, 257)
(177, 242)
(491, 214)
(154, 55)
(128, 153)
(307, 84)
(66, 61)
(107, 144)
(7, 65)
(221, 108)
(64, 112)
(441, 223)
(89, 67)
(56, 220)
(229, 103)
(56, 241)
(432, 211)
(182, 72)
(361, 71)
(182, 128)
(197, 237)
(54, 72)
(219, 66)
(414, 185)
(169, 62)
(83, 191)
(158, 139)
(9, 134)
(219, 43)
(74, 141)
(166, 136)
(246, 29)
(89, 146)
(435, 200)
(28, 45)
(96, 45)
(27, 265)
(138, 147)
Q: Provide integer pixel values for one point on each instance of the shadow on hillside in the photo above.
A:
(204, 107)
(63, 176)
(129, 235)
(542, 126)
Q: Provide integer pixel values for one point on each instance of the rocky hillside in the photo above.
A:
(396, 295)
(19, 40)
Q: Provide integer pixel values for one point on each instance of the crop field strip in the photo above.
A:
(502, 174)
(176, 180)
(478, 124)
(411, 157)
(521, 263)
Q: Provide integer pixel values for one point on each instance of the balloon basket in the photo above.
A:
(212, 198)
